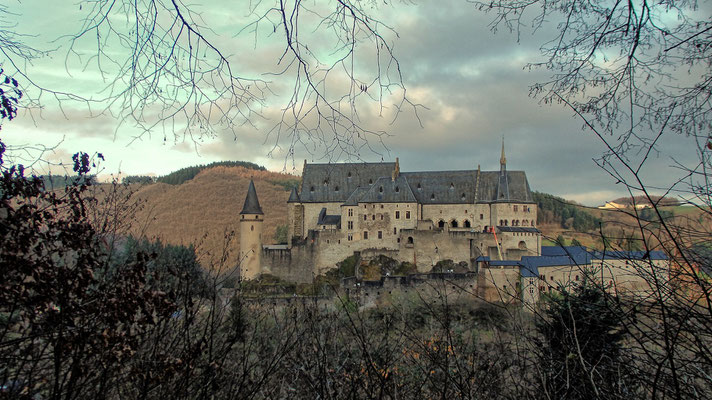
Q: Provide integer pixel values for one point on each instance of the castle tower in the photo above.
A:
(251, 220)
(503, 187)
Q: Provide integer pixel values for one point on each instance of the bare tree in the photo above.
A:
(167, 70)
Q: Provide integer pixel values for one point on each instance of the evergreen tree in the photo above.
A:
(581, 347)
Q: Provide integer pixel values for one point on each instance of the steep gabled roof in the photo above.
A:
(386, 190)
(517, 187)
(252, 204)
(442, 187)
(336, 182)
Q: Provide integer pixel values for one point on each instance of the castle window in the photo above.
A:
(364, 217)
(252, 228)
(577, 277)
(373, 217)
(407, 215)
(336, 189)
(482, 216)
(381, 205)
(350, 224)
(380, 234)
(397, 189)
(365, 234)
(381, 217)
(349, 175)
(410, 239)
(516, 208)
(467, 224)
(395, 232)
(463, 197)
(432, 196)
(311, 189)
(441, 224)
(532, 223)
(452, 186)
(350, 237)
(419, 187)
(351, 212)
(257, 217)
(370, 181)
(326, 182)
(522, 245)
(453, 223)
(397, 214)
(380, 189)
(501, 222)
(242, 216)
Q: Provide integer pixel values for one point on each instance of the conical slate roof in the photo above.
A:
(252, 204)
(294, 196)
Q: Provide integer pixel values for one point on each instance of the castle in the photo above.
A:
(375, 209)
(485, 221)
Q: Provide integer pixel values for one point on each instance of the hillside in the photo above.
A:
(205, 210)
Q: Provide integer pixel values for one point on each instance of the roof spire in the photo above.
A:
(503, 159)
(252, 204)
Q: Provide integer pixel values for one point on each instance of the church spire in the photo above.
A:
(503, 159)
(252, 204)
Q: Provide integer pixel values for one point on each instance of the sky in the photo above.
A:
(472, 86)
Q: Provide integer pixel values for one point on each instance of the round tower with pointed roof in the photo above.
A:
(251, 220)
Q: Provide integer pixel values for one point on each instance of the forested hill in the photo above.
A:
(559, 211)
(185, 174)
(204, 211)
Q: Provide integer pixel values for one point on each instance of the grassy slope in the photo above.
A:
(205, 209)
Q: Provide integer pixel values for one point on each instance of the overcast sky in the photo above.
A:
(471, 81)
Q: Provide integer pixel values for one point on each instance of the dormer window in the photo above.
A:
(463, 196)
(397, 189)
(311, 189)
(380, 189)
(370, 181)
(326, 182)
(432, 196)
(349, 175)
(452, 186)
(420, 187)
(336, 189)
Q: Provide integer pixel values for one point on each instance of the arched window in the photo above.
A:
(522, 245)
(432, 196)
(311, 189)
(380, 189)
(467, 224)
(441, 224)
(252, 227)
(506, 223)
(453, 223)
(410, 239)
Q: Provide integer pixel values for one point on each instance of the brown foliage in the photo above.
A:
(203, 210)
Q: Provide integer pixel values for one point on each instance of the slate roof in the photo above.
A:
(517, 187)
(347, 182)
(294, 196)
(252, 204)
(386, 190)
(326, 219)
(336, 182)
(443, 187)
(629, 255)
(356, 196)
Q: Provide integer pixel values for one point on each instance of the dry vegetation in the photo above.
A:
(205, 209)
